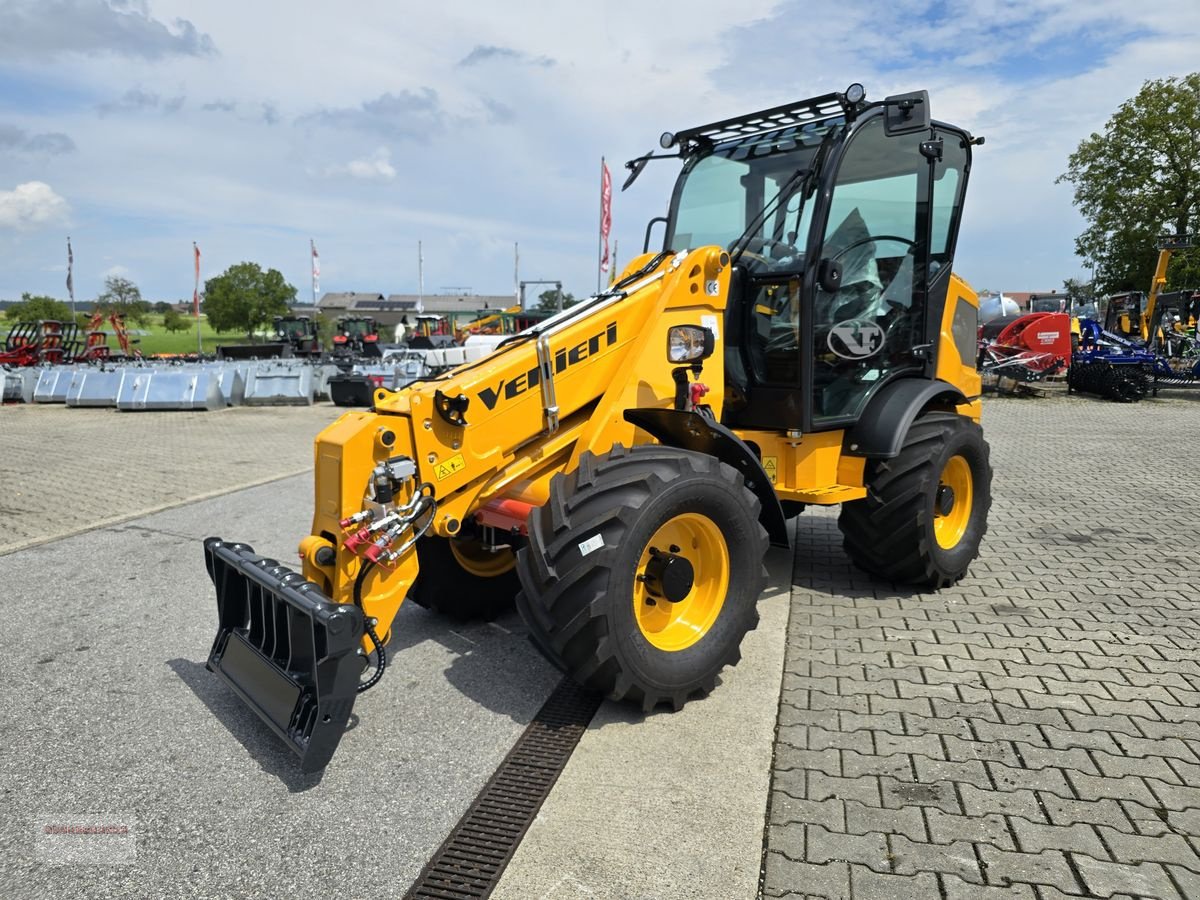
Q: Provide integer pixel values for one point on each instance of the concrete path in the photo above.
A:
(65, 470)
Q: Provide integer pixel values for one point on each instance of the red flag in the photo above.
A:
(605, 212)
(196, 289)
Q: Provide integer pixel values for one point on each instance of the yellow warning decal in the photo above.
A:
(771, 466)
(456, 463)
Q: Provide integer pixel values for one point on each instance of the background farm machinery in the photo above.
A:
(49, 342)
(1146, 341)
(1015, 351)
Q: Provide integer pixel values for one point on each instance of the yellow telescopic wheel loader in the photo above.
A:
(622, 467)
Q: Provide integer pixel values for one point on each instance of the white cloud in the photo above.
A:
(31, 205)
(376, 167)
(42, 29)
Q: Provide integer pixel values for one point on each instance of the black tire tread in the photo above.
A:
(885, 534)
(563, 597)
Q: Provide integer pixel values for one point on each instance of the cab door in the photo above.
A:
(872, 326)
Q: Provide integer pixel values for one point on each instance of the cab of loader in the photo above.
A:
(840, 219)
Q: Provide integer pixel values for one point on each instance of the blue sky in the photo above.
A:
(139, 126)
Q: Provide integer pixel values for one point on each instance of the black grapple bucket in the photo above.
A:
(285, 648)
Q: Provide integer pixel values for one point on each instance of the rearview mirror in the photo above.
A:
(829, 275)
(906, 113)
(635, 167)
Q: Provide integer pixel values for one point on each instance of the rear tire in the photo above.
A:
(897, 532)
(588, 573)
(444, 584)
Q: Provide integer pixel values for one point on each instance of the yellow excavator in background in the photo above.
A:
(621, 468)
(1132, 314)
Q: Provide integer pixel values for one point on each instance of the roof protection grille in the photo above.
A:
(789, 115)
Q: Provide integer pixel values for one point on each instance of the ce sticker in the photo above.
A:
(855, 339)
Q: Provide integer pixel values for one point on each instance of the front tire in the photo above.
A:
(925, 512)
(642, 572)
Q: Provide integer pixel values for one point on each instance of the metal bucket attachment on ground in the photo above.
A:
(170, 389)
(231, 380)
(95, 387)
(321, 376)
(52, 384)
(19, 385)
(270, 384)
(288, 651)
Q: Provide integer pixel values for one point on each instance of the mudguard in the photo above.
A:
(285, 648)
(693, 431)
(883, 425)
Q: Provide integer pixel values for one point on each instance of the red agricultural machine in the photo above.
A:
(34, 343)
(1024, 348)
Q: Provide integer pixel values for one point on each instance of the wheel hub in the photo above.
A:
(680, 582)
(668, 576)
(943, 503)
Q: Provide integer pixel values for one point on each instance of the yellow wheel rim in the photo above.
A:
(674, 626)
(956, 490)
(480, 561)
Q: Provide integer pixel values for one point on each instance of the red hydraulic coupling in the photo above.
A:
(365, 516)
(380, 547)
(698, 390)
(356, 540)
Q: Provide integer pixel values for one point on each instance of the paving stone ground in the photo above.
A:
(65, 470)
(1033, 732)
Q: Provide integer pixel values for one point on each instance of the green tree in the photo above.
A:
(326, 328)
(245, 298)
(1139, 180)
(173, 321)
(161, 307)
(32, 308)
(122, 295)
(1078, 291)
(548, 300)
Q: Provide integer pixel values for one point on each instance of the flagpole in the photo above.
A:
(196, 301)
(420, 279)
(71, 276)
(600, 229)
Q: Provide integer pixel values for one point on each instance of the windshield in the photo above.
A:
(725, 190)
(356, 327)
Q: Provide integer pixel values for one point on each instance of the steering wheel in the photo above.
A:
(872, 239)
(764, 260)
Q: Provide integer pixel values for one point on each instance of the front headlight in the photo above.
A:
(689, 343)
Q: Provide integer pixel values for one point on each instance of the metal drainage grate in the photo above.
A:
(469, 864)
